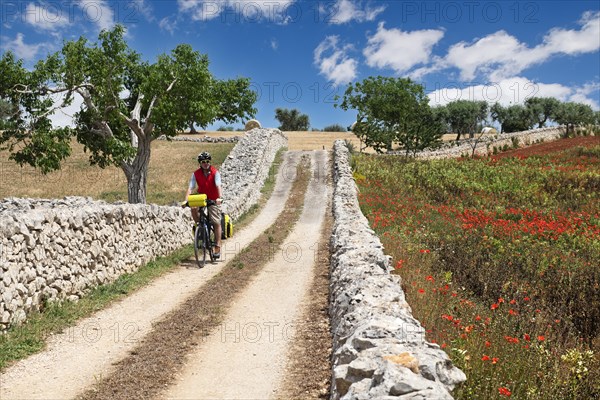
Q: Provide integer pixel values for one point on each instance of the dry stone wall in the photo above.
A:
(60, 249)
(485, 145)
(379, 349)
(247, 167)
(203, 139)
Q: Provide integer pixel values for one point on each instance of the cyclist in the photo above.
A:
(207, 180)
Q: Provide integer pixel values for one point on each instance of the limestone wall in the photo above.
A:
(485, 145)
(379, 349)
(60, 249)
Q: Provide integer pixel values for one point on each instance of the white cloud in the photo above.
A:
(238, 10)
(586, 40)
(144, 8)
(27, 52)
(501, 55)
(337, 66)
(345, 11)
(514, 90)
(274, 44)
(399, 50)
(47, 17)
(98, 12)
(168, 24)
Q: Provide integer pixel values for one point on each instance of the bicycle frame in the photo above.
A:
(203, 238)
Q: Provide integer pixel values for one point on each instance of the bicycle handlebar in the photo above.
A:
(185, 204)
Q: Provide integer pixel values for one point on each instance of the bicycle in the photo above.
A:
(204, 235)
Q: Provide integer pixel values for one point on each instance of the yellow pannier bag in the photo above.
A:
(226, 226)
(197, 200)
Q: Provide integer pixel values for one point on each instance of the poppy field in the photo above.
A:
(500, 261)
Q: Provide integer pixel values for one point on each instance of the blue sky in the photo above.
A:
(300, 54)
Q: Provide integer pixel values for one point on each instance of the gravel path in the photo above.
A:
(83, 354)
(246, 355)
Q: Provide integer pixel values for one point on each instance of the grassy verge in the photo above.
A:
(266, 191)
(29, 338)
(153, 364)
(499, 261)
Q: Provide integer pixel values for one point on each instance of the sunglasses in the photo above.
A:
(205, 162)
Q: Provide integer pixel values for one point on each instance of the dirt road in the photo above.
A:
(243, 358)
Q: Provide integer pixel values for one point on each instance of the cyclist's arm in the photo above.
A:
(218, 185)
(191, 186)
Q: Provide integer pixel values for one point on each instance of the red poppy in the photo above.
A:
(504, 391)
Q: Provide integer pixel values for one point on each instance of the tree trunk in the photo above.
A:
(136, 172)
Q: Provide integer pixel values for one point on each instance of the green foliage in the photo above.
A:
(393, 110)
(515, 118)
(542, 108)
(292, 120)
(127, 103)
(334, 128)
(465, 116)
(573, 114)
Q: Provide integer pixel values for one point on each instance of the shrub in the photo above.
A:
(334, 128)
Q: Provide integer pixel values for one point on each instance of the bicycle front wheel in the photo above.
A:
(199, 247)
(208, 243)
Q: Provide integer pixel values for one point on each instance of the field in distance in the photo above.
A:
(297, 140)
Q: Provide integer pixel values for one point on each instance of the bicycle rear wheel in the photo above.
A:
(199, 245)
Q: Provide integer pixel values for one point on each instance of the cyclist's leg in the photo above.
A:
(195, 215)
(215, 218)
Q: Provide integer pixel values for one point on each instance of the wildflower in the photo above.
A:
(487, 343)
(541, 338)
(494, 306)
(399, 264)
(447, 317)
(478, 318)
(500, 300)
(526, 299)
(504, 391)
(513, 301)
(421, 290)
(526, 337)
(512, 312)
(425, 251)
(495, 360)
(485, 358)
(429, 278)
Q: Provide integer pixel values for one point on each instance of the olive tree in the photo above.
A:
(465, 116)
(126, 104)
(542, 108)
(573, 114)
(515, 118)
(292, 120)
(392, 110)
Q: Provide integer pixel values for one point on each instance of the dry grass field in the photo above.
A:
(297, 140)
(171, 165)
